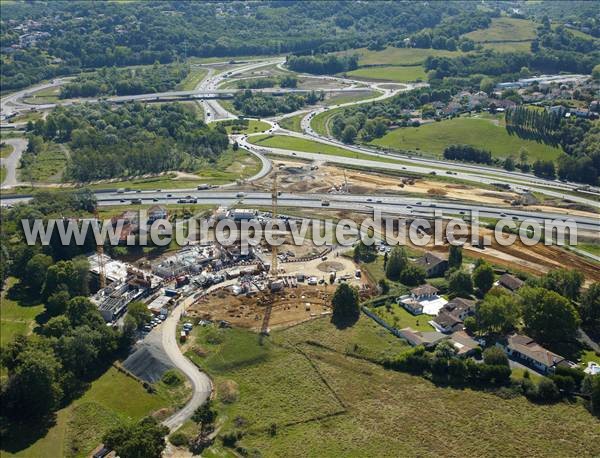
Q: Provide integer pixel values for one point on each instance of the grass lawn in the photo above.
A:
(254, 126)
(228, 105)
(2, 174)
(6, 150)
(47, 95)
(192, 80)
(593, 248)
(481, 133)
(389, 73)
(310, 146)
(398, 317)
(399, 56)
(504, 29)
(15, 318)
(292, 122)
(325, 403)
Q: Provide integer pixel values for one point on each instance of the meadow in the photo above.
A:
(479, 132)
(504, 29)
(312, 392)
(390, 73)
(398, 56)
(292, 122)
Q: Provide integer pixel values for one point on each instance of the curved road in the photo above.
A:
(201, 383)
(12, 162)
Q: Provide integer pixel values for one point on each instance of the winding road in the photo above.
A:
(12, 161)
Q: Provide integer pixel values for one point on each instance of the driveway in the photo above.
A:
(12, 162)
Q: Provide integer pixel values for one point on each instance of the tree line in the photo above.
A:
(323, 64)
(467, 153)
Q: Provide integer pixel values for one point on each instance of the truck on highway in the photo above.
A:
(136, 201)
(324, 203)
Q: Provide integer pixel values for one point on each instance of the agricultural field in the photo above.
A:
(292, 122)
(310, 146)
(389, 73)
(79, 427)
(504, 29)
(308, 388)
(479, 132)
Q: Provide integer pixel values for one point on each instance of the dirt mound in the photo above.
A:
(148, 360)
(330, 266)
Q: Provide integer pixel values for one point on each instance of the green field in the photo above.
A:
(2, 174)
(192, 80)
(347, 98)
(310, 146)
(481, 133)
(28, 116)
(47, 95)
(504, 29)
(47, 166)
(79, 427)
(389, 73)
(15, 317)
(398, 317)
(292, 122)
(509, 46)
(399, 56)
(254, 126)
(320, 121)
(311, 381)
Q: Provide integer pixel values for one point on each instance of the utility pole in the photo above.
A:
(274, 218)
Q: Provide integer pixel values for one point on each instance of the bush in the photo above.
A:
(547, 390)
(214, 336)
(179, 439)
(495, 356)
(172, 378)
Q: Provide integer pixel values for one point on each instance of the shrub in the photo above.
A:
(547, 390)
(172, 378)
(179, 439)
(494, 356)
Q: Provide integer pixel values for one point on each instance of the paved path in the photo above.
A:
(12, 162)
(201, 383)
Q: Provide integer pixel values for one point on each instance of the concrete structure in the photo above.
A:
(423, 299)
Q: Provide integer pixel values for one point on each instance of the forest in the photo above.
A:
(87, 35)
(114, 81)
(323, 64)
(130, 139)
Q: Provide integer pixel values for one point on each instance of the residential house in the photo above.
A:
(510, 282)
(452, 315)
(527, 351)
(428, 338)
(433, 264)
(464, 344)
(423, 299)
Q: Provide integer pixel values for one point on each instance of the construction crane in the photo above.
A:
(100, 256)
(274, 218)
(268, 295)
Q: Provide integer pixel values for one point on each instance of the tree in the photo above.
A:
(80, 311)
(349, 134)
(483, 277)
(364, 253)
(345, 303)
(35, 272)
(565, 282)
(509, 164)
(486, 85)
(205, 414)
(498, 313)
(383, 286)
(460, 284)
(455, 256)
(33, 388)
(596, 72)
(139, 312)
(589, 309)
(412, 275)
(57, 302)
(549, 317)
(397, 262)
(145, 439)
(494, 356)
